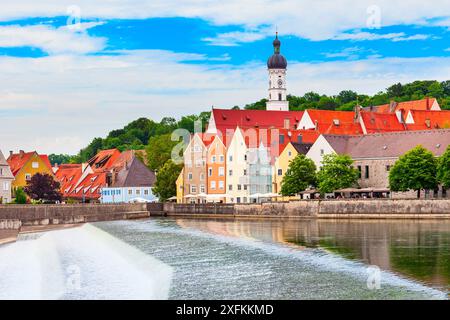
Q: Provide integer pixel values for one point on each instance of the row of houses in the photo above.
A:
(244, 154)
(110, 176)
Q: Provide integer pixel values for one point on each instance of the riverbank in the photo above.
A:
(327, 209)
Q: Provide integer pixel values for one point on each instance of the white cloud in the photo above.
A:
(231, 39)
(312, 19)
(59, 103)
(51, 40)
(368, 36)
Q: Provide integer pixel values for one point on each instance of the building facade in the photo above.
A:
(195, 170)
(6, 179)
(24, 165)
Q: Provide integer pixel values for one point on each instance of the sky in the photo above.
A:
(74, 70)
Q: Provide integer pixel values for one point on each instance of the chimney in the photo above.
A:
(357, 111)
(11, 153)
(428, 103)
(316, 125)
(21, 152)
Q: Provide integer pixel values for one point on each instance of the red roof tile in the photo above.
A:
(17, 160)
(426, 120)
(381, 122)
(424, 104)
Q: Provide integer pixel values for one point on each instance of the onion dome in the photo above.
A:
(277, 61)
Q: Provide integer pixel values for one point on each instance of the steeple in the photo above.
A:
(277, 65)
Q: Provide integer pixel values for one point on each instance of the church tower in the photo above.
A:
(277, 79)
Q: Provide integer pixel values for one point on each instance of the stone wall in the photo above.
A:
(68, 214)
(370, 208)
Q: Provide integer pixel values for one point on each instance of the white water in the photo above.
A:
(80, 263)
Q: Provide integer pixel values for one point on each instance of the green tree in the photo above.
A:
(347, 96)
(60, 158)
(21, 197)
(165, 185)
(300, 175)
(336, 173)
(443, 168)
(159, 150)
(415, 170)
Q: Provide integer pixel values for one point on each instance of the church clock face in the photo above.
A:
(280, 83)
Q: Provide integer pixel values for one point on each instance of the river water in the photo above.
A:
(183, 258)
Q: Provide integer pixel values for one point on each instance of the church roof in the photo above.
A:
(277, 61)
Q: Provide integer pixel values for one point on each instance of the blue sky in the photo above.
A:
(79, 69)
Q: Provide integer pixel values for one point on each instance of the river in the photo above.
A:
(184, 258)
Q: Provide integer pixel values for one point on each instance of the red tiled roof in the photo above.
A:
(17, 160)
(424, 104)
(229, 119)
(426, 120)
(104, 159)
(89, 188)
(68, 176)
(381, 122)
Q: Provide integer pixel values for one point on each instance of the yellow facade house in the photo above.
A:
(24, 165)
(282, 164)
(180, 187)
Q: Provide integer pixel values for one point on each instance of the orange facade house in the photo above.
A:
(216, 169)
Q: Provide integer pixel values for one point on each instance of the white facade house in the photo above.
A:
(318, 150)
(237, 178)
(6, 178)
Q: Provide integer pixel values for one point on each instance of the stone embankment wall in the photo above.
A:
(373, 208)
(15, 216)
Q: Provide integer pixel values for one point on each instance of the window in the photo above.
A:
(193, 188)
(245, 157)
(189, 176)
(367, 172)
(1, 171)
(213, 185)
(221, 171)
(5, 186)
(289, 153)
(238, 200)
(35, 165)
(130, 192)
(280, 97)
(221, 159)
(245, 187)
(322, 152)
(213, 159)
(388, 168)
(230, 172)
(198, 163)
(239, 187)
(230, 158)
(209, 172)
(27, 176)
(146, 192)
(221, 185)
(359, 172)
(202, 176)
(202, 188)
(245, 172)
(281, 138)
(280, 172)
(138, 191)
(230, 187)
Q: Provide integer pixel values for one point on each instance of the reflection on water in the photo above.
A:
(417, 249)
(294, 259)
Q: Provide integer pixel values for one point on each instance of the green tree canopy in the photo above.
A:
(159, 150)
(300, 175)
(336, 173)
(443, 168)
(165, 186)
(415, 170)
(21, 196)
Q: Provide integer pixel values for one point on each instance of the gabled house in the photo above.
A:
(133, 182)
(6, 179)
(216, 170)
(24, 165)
(281, 164)
(195, 169)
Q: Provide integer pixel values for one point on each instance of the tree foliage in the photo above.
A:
(415, 170)
(159, 150)
(43, 187)
(21, 197)
(165, 186)
(336, 173)
(443, 168)
(300, 175)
